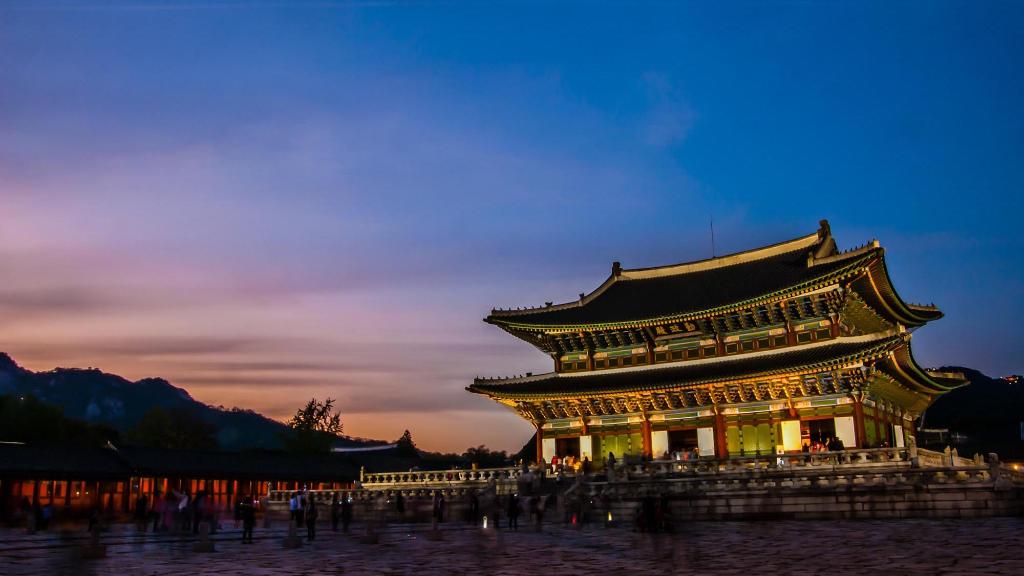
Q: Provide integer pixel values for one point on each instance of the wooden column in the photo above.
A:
(721, 448)
(126, 496)
(540, 445)
(645, 435)
(878, 433)
(858, 422)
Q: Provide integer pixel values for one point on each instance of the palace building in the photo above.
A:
(762, 352)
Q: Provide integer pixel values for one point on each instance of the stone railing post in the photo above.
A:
(994, 468)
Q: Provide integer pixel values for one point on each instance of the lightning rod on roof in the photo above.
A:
(712, 218)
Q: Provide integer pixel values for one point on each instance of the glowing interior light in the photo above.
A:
(609, 516)
(485, 522)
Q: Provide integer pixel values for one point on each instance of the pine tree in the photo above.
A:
(405, 446)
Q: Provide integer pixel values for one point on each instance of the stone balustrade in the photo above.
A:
(865, 458)
(788, 478)
(859, 467)
(438, 477)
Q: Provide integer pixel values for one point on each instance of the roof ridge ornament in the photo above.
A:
(826, 244)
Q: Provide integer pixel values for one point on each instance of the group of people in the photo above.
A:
(829, 444)
(686, 454)
(173, 509)
(563, 464)
(654, 515)
(305, 510)
(37, 516)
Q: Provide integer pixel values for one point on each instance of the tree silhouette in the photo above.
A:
(405, 446)
(486, 458)
(314, 428)
(27, 419)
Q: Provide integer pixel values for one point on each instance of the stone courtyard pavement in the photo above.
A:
(969, 546)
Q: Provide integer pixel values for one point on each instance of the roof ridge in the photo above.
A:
(820, 237)
(752, 255)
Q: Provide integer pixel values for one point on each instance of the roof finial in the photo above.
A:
(616, 268)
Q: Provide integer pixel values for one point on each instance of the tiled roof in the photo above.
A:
(633, 295)
(689, 373)
(59, 461)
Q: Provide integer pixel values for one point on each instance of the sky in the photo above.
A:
(264, 202)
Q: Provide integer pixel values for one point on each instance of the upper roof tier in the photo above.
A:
(695, 288)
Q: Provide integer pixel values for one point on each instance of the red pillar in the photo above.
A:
(721, 448)
(858, 422)
(645, 435)
(540, 445)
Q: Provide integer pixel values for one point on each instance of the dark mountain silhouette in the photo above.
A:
(984, 416)
(101, 398)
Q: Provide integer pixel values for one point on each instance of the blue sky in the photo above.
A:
(268, 201)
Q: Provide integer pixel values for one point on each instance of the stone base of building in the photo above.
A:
(855, 503)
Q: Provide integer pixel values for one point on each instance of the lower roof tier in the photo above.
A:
(887, 351)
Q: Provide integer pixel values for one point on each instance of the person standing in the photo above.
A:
(474, 508)
(335, 512)
(311, 514)
(170, 507)
(158, 510)
(400, 506)
(513, 511)
(247, 511)
(346, 512)
(141, 513)
(184, 518)
(293, 507)
(197, 510)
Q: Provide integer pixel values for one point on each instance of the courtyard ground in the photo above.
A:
(933, 547)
